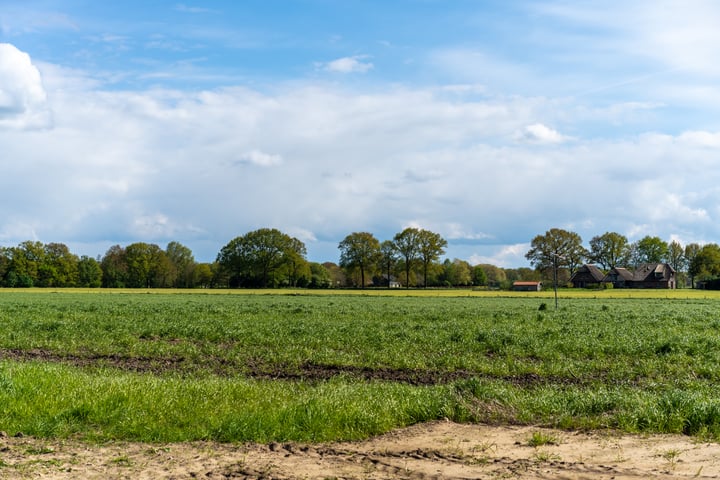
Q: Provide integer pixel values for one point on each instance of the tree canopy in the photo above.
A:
(254, 258)
(556, 247)
(361, 251)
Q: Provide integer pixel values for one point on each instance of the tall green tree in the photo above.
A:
(25, 264)
(297, 267)
(430, 247)
(691, 251)
(456, 273)
(59, 267)
(147, 266)
(494, 275)
(556, 245)
(479, 277)
(609, 250)
(706, 264)
(651, 250)
(182, 262)
(203, 275)
(387, 260)
(89, 272)
(359, 251)
(676, 256)
(320, 277)
(254, 258)
(407, 245)
(114, 267)
(4, 265)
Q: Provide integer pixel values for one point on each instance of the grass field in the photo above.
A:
(262, 366)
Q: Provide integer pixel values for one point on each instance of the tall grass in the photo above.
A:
(48, 400)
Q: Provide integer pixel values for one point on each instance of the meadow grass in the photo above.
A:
(259, 366)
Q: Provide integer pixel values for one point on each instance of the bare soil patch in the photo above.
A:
(439, 450)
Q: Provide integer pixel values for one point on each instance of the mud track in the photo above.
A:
(307, 371)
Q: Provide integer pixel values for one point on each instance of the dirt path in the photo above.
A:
(440, 450)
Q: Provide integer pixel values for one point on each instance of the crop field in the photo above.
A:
(259, 366)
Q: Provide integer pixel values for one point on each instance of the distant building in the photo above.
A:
(587, 276)
(648, 275)
(654, 275)
(619, 277)
(527, 286)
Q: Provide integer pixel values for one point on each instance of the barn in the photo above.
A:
(587, 276)
(527, 286)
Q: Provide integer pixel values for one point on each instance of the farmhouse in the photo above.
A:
(654, 275)
(527, 286)
(647, 275)
(587, 276)
(619, 277)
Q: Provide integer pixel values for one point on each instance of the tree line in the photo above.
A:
(565, 249)
(264, 258)
(269, 258)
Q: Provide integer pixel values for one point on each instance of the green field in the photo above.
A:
(264, 366)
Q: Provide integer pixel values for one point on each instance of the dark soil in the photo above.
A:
(307, 371)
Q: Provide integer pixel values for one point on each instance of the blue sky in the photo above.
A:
(487, 122)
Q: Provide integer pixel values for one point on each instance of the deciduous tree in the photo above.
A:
(557, 245)
(609, 250)
(361, 251)
(676, 256)
(691, 251)
(89, 272)
(387, 260)
(651, 250)
(407, 245)
(114, 267)
(430, 246)
(706, 264)
(254, 258)
(479, 277)
(183, 264)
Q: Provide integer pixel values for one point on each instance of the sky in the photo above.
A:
(488, 122)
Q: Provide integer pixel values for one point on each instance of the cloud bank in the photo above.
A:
(22, 95)
(588, 117)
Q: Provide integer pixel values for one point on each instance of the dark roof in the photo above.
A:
(653, 272)
(591, 270)
(619, 272)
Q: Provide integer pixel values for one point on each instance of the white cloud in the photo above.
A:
(506, 256)
(354, 64)
(261, 159)
(539, 133)
(457, 231)
(160, 165)
(22, 95)
(701, 139)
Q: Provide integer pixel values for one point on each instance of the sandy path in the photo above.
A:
(440, 450)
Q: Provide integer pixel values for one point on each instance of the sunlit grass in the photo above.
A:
(205, 363)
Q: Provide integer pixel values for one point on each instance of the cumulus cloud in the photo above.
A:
(22, 95)
(163, 165)
(539, 133)
(457, 231)
(354, 64)
(504, 256)
(701, 138)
